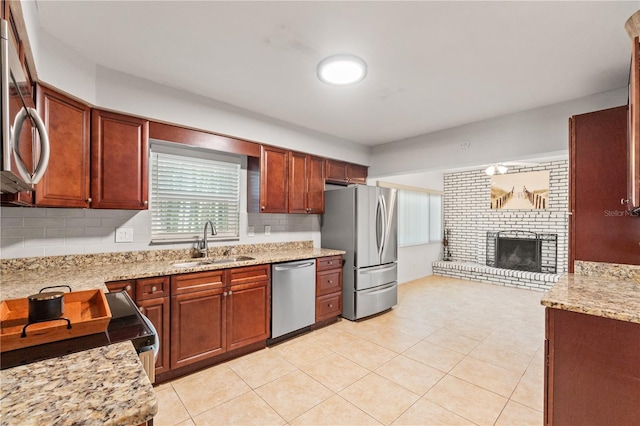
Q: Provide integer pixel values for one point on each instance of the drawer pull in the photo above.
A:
(330, 282)
(330, 305)
(153, 289)
(128, 288)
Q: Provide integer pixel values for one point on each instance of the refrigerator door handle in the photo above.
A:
(385, 226)
(379, 227)
(388, 222)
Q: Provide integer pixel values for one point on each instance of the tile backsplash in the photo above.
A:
(34, 232)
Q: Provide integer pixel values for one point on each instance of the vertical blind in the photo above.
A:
(187, 190)
(419, 218)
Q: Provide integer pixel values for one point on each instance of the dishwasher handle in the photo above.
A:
(294, 266)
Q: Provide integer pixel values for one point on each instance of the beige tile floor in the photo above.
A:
(452, 352)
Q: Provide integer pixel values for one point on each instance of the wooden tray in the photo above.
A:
(87, 310)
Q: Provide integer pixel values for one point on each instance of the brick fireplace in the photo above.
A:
(469, 217)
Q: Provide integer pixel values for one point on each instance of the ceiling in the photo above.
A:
(432, 65)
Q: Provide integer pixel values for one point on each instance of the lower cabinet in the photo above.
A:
(199, 316)
(592, 370)
(328, 288)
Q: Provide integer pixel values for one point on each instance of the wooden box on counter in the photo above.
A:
(87, 311)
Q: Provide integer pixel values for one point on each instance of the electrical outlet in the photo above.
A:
(124, 235)
(267, 230)
(251, 232)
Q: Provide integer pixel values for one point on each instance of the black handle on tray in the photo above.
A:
(55, 286)
(24, 329)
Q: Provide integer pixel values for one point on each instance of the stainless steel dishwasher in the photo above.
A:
(293, 296)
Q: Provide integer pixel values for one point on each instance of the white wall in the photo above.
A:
(60, 66)
(534, 134)
(415, 261)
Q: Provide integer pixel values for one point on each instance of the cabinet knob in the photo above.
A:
(230, 292)
(331, 305)
(330, 281)
(128, 288)
(261, 207)
(153, 289)
(145, 202)
(224, 294)
(330, 262)
(89, 200)
(624, 201)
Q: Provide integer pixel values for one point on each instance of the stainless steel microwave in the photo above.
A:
(17, 108)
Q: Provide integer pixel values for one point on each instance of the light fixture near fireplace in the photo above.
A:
(492, 169)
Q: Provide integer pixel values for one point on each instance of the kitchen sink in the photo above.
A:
(215, 261)
(232, 259)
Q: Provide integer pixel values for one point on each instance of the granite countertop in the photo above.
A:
(16, 284)
(602, 296)
(101, 386)
(106, 385)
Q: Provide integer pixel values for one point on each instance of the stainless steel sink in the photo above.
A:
(218, 260)
(191, 264)
(232, 259)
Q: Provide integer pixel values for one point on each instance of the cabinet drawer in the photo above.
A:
(151, 288)
(249, 274)
(328, 306)
(331, 262)
(126, 285)
(199, 281)
(328, 282)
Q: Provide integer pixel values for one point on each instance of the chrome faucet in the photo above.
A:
(205, 249)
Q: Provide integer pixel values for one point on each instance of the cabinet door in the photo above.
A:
(248, 305)
(248, 314)
(198, 326)
(297, 182)
(356, 173)
(315, 185)
(157, 310)
(598, 181)
(66, 181)
(119, 161)
(336, 171)
(274, 180)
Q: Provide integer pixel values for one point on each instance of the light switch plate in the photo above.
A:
(251, 232)
(124, 235)
(267, 230)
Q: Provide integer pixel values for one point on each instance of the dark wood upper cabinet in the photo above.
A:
(119, 160)
(341, 173)
(306, 183)
(268, 181)
(66, 181)
(633, 141)
(600, 228)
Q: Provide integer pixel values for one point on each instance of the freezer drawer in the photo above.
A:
(375, 300)
(375, 276)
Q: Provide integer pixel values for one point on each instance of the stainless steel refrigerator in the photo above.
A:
(362, 220)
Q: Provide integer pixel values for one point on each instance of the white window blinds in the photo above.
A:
(419, 218)
(189, 188)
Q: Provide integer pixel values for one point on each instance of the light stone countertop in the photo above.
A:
(87, 277)
(101, 386)
(601, 296)
(105, 385)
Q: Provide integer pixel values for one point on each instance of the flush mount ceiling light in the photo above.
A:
(491, 170)
(342, 70)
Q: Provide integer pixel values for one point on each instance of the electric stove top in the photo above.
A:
(127, 323)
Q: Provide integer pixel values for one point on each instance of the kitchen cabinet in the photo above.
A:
(340, 172)
(268, 178)
(598, 181)
(248, 306)
(66, 181)
(592, 370)
(328, 288)
(119, 161)
(197, 317)
(124, 285)
(306, 183)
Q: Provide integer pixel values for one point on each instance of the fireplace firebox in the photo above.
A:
(522, 251)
